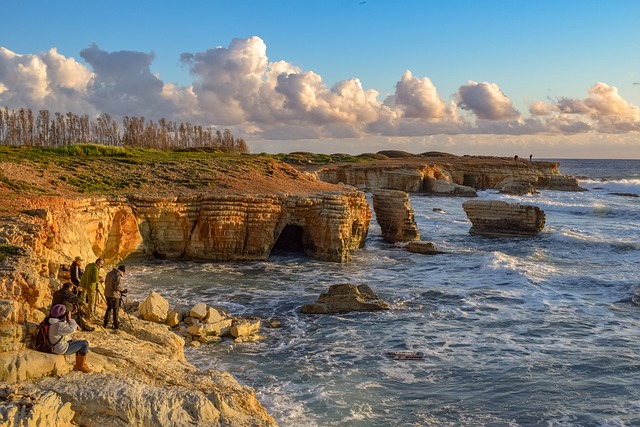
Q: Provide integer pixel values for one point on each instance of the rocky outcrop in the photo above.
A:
(324, 226)
(425, 248)
(346, 298)
(498, 218)
(395, 216)
(448, 175)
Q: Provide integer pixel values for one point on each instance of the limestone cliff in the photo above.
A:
(448, 175)
(240, 227)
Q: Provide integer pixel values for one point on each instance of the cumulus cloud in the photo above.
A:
(47, 80)
(123, 83)
(486, 101)
(241, 88)
(605, 107)
(417, 98)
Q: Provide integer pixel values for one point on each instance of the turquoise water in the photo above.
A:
(514, 332)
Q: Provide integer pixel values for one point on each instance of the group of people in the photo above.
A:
(77, 299)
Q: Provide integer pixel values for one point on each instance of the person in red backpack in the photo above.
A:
(61, 326)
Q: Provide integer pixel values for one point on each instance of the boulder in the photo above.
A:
(199, 311)
(498, 218)
(212, 316)
(155, 308)
(427, 248)
(518, 188)
(173, 318)
(346, 298)
(245, 329)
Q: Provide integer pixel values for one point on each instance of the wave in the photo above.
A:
(630, 186)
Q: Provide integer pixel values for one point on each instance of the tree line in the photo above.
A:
(25, 128)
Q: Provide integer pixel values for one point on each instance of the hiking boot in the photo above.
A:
(88, 328)
(81, 364)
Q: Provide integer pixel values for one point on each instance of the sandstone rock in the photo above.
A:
(35, 409)
(498, 218)
(199, 311)
(212, 316)
(450, 175)
(427, 248)
(29, 364)
(245, 329)
(346, 298)
(395, 216)
(518, 188)
(173, 318)
(154, 308)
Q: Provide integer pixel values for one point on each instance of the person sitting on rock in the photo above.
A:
(62, 325)
(74, 304)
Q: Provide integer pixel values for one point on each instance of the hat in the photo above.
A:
(78, 258)
(58, 310)
(122, 268)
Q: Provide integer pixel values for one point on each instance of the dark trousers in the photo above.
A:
(113, 305)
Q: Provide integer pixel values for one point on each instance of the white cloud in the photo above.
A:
(486, 101)
(240, 88)
(417, 98)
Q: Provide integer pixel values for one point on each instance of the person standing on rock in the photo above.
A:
(113, 290)
(61, 326)
(76, 270)
(72, 301)
(90, 281)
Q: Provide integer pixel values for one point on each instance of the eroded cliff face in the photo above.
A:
(442, 176)
(325, 226)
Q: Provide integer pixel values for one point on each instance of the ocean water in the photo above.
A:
(514, 331)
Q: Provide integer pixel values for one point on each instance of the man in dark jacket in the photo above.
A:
(113, 289)
(76, 271)
(71, 300)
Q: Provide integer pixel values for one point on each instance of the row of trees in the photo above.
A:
(24, 128)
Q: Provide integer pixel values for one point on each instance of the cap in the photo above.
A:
(122, 268)
(78, 258)
(58, 310)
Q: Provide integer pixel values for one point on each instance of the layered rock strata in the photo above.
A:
(498, 218)
(395, 216)
(225, 227)
(448, 175)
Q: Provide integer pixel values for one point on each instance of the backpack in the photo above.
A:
(42, 342)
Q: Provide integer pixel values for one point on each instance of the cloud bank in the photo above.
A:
(240, 88)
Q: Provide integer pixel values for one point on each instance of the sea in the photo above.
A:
(513, 331)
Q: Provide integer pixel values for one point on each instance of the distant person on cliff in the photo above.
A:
(113, 290)
(72, 301)
(531, 157)
(76, 270)
(90, 281)
(63, 325)
(515, 158)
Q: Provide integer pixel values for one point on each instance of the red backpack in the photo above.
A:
(42, 342)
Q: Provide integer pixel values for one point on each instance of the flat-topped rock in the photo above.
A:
(498, 218)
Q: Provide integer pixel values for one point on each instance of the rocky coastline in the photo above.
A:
(140, 374)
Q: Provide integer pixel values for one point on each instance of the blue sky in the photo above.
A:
(555, 78)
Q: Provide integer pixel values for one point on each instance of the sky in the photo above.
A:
(555, 79)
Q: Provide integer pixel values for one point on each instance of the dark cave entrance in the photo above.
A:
(289, 240)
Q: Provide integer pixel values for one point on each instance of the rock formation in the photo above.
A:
(225, 227)
(448, 175)
(395, 216)
(498, 218)
(344, 299)
(426, 248)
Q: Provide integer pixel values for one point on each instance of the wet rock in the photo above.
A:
(346, 298)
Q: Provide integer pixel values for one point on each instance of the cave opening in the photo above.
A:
(289, 240)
